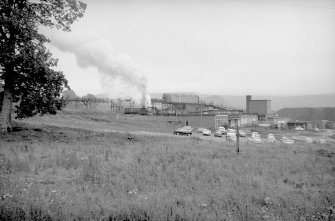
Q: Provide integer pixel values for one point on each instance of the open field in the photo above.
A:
(81, 166)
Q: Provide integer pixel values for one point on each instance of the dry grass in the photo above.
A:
(49, 172)
(100, 121)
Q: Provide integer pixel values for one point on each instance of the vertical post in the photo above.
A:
(200, 113)
(237, 139)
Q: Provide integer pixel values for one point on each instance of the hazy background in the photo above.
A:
(236, 47)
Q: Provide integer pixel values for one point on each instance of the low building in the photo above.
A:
(248, 119)
(330, 125)
(307, 125)
(234, 121)
(321, 124)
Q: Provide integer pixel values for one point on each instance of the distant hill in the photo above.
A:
(326, 113)
(324, 100)
(279, 102)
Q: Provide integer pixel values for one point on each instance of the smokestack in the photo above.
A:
(248, 103)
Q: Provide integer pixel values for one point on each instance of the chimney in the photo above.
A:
(248, 104)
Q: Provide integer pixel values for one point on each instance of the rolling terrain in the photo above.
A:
(80, 165)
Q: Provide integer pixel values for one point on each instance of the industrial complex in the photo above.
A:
(189, 109)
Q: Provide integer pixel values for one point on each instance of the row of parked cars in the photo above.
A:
(231, 134)
(256, 138)
(187, 130)
(220, 132)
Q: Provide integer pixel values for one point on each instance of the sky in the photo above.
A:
(230, 47)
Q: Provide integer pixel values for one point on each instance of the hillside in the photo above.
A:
(81, 165)
(327, 113)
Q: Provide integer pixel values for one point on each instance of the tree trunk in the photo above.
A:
(7, 102)
(6, 111)
(8, 76)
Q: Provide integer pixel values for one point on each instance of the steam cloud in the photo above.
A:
(118, 73)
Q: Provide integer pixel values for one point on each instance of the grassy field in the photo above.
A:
(68, 167)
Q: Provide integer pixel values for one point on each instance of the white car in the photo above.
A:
(323, 141)
(255, 134)
(286, 140)
(299, 128)
(201, 130)
(231, 137)
(242, 133)
(221, 130)
(255, 139)
(271, 138)
(206, 132)
(218, 133)
(231, 131)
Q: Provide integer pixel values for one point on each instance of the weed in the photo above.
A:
(91, 171)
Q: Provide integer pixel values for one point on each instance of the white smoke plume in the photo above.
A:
(118, 74)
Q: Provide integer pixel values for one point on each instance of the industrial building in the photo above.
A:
(189, 104)
(260, 107)
(306, 125)
(189, 108)
(181, 98)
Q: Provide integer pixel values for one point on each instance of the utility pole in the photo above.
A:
(200, 113)
(237, 139)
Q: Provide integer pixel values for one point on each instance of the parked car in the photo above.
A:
(255, 134)
(323, 141)
(299, 128)
(229, 130)
(255, 138)
(231, 137)
(201, 130)
(218, 133)
(286, 140)
(186, 130)
(242, 133)
(271, 138)
(221, 130)
(206, 132)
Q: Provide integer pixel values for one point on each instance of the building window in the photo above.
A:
(261, 117)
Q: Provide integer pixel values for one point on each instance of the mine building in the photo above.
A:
(306, 125)
(181, 104)
(260, 107)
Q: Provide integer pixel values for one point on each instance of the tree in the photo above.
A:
(25, 63)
